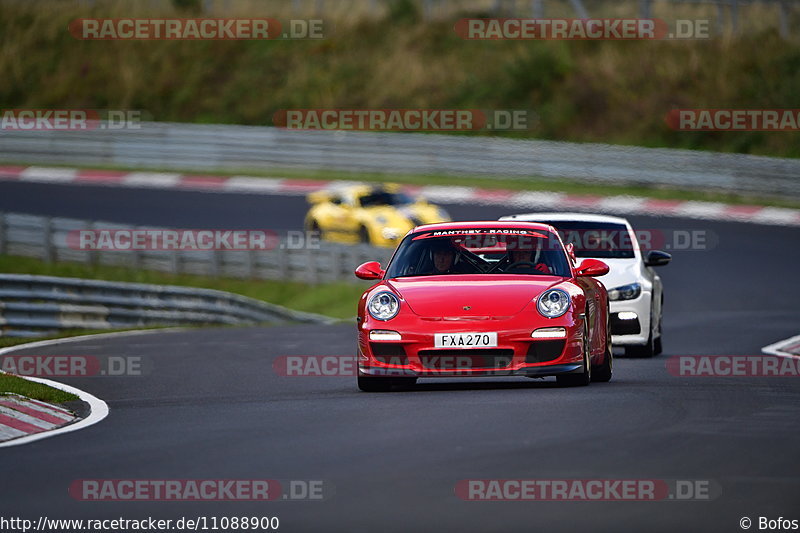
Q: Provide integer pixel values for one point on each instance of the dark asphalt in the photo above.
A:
(213, 407)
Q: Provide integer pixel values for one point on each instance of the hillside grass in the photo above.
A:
(607, 91)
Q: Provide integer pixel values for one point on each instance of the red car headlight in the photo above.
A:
(553, 303)
(383, 306)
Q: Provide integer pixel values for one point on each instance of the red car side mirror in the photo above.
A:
(592, 268)
(370, 270)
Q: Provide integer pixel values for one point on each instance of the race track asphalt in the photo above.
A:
(211, 405)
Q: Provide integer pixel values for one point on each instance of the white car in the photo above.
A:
(635, 291)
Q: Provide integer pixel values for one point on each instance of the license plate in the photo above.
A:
(465, 340)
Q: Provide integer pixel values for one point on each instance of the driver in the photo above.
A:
(520, 259)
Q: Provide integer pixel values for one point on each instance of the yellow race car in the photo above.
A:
(375, 214)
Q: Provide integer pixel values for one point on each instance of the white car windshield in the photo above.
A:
(603, 240)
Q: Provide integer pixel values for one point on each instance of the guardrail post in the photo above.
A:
(336, 264)
(47, 240)
(249, 264)
(2, 233)
(537, 9)
(312, 268)
(283, 263)
(174, 263)
(645, 8)
(216, 261)
(579, 8)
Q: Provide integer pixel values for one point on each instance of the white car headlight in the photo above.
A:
(626, 292)
(383, 306)
(553, 303)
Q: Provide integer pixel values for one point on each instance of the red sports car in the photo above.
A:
(483, 299)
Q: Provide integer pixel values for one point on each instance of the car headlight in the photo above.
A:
(553, 303)
(626, 292)
(383, 306)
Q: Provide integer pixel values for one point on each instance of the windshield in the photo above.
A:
(602, 240)
(480, 251)
(377, 198)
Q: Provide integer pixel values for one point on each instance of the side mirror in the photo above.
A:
(657, 258)
(370, 270)
(592, 268)
(318, 197)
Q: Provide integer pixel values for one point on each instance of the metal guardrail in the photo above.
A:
(34, 305)
(234, 148)
(46, 238)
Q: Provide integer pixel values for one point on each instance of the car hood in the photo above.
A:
(620, 272)
(470, 296)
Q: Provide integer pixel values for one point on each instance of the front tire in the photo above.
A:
(363, 235)
(603, 373)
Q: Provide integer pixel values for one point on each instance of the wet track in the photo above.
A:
(212, 407)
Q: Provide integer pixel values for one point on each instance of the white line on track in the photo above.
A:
(99, 408)
(777, 348)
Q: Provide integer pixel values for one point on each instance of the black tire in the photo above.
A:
(363, 235)
(658, 348)
(585, 377)
(603, 373)
(380, 384)
(312, 227)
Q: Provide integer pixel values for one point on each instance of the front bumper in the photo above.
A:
(626, 329)
(516, 353)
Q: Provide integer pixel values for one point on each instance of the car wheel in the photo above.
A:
(584, 378)
(363, 235)
(313, 227)
(603, 372)
(373, 384)
(657, 347)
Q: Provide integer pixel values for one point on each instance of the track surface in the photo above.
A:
(213, 408)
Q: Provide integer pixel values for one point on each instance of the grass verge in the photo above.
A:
(10, 384)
